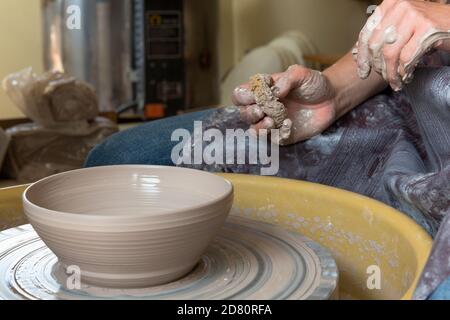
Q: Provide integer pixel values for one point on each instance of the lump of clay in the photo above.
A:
(261, 86)
(52, 97)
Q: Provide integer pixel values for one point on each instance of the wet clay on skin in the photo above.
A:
(427, 43)
(362, 51)
(372, 56)
(432, 39)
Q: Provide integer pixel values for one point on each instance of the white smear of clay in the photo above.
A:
(363, 58)
(390, 35)
(426, 43)
(315, 88)
(378, 62)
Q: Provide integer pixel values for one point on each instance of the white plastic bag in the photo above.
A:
(51, 98)
(36, 152)
(65, 125)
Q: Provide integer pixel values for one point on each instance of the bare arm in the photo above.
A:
(350, 90)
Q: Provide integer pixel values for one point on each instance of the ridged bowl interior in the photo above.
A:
(129, 226)
(121, 191)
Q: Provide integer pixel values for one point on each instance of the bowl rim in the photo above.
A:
(28, 203)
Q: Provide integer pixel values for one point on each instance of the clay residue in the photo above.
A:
(261, 84)
(390, 35)
(426, 44)
(373, 57)
(363, 52)
(314, 89)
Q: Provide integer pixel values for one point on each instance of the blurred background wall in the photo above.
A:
(333, 25)
(20, 44)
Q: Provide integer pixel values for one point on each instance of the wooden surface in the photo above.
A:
(11, 211)
(325, 60)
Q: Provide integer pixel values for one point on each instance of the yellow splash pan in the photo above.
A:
(361, 233)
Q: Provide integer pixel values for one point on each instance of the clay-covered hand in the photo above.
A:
(398, 34)
(307, 96)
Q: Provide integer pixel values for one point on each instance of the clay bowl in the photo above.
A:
(128, 226)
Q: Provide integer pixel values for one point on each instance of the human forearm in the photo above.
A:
(350, 90)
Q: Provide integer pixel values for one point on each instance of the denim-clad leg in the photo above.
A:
(146, 144)
(442, 292)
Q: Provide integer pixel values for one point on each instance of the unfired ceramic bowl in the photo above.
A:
(128, 226)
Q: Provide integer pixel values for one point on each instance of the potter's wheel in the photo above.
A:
(248, 260)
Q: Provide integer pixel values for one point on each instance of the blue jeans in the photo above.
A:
(442, 292)
(146, 144)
